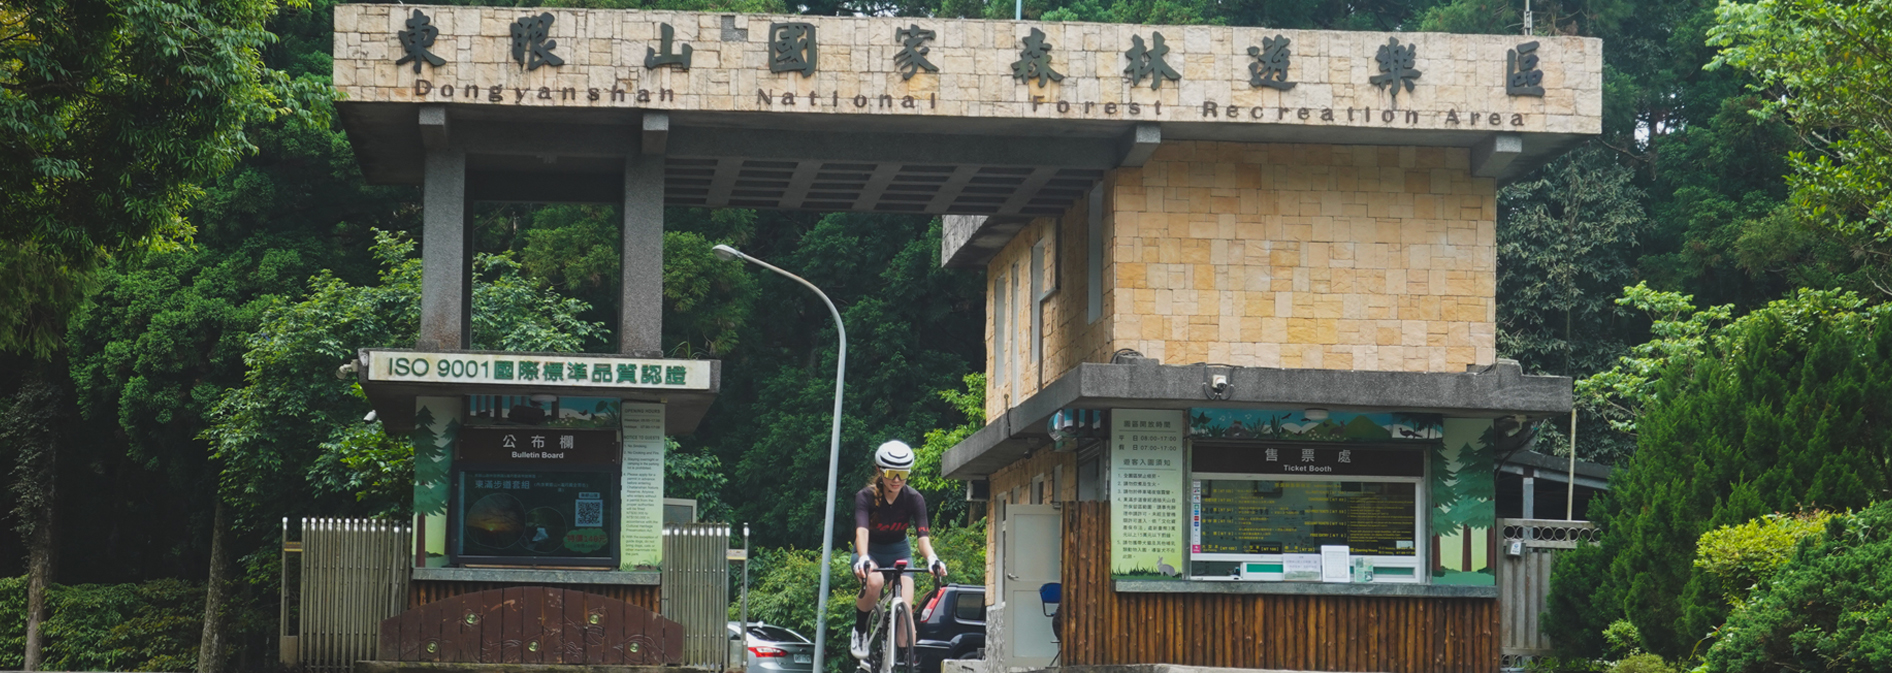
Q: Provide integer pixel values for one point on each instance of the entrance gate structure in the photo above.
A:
(1313, 212)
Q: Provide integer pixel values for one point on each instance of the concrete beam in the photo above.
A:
(799, 183)
(1139, 143)
(446, 253)
(546, 187)
(656, 133)
(1498, 390)
(641, 270)
(433, 127)
(544, 139)
(914, 148)
(969, 241)
(950, 189)
(1029, 188)
(1491, 156)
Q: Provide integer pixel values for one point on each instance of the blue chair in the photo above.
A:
(1051, 594)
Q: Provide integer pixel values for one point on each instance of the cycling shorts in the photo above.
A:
(884, 555)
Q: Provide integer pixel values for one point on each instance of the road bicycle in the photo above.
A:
(890, 623)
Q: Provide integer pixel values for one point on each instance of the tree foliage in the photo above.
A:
(1777, 411)
(1822, 62)
(1828, 609)
(286, 439)
(113, 113)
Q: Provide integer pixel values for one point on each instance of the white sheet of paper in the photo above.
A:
(1333, 563)
(1300, 567)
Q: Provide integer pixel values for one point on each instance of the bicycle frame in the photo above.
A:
(892, 618)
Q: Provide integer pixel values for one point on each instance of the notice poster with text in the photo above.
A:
(641, 546)
(1146, 494)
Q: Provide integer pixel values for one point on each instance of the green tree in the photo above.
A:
(1818, 63)
(1569, 237)
(30, 428)
(1827, 609)
(289, 441)
(113, 113)
(1776, 411)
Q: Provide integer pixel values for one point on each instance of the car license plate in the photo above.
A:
(804, 658)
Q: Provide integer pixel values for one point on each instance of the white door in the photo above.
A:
(1033, 546)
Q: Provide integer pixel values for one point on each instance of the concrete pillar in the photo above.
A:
(446, 252)
(641, 293)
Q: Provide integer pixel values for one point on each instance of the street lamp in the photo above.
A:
(727, 253)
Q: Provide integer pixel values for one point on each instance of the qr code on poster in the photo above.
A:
(589, 513)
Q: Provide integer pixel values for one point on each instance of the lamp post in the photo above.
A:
(728, 253)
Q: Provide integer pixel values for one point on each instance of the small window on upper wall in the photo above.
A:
(1094, 256)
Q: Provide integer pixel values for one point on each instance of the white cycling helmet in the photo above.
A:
(894, 455)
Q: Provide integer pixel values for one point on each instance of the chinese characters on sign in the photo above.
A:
(1035, 61)
(1521, 76)
(642, 487)
(1396, 67)
(531, 43)
(792, 48)
(420, 35)
(1146, 494)
(529, 369)
(912, 55)
(1148, 62)
(654, 59)
(1270, 68)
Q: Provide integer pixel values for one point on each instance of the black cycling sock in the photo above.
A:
(860, 620)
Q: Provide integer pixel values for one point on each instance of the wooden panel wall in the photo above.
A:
(531, 625)
(1319, 633)
(422, 592)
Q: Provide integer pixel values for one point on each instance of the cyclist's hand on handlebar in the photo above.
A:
(862, 566)
(938, 567)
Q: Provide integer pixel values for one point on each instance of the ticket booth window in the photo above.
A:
(1269, 512)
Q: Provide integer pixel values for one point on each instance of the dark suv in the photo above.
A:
(951, 622)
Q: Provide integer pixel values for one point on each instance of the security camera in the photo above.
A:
(1219, 384)
(348, 369)
(371, 417)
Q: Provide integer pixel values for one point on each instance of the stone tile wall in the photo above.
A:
(604, 50)
(1294, 256)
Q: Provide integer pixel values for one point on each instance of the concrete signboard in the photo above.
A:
(888, 66)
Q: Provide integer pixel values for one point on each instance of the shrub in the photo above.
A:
(1827, 609)
(1642, 663)
(154, 626)
(12, 623)
(1741, 557)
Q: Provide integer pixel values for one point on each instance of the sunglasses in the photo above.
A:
(896, 474)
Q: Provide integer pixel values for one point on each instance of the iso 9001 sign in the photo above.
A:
(538, 370)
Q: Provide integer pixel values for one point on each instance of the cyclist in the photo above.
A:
(881, 513)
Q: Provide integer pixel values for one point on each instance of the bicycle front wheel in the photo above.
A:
(909, 655)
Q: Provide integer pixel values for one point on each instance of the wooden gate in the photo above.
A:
(1529, 548)
(532, 625)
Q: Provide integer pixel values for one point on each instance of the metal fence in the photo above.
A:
(348, 574)
(1530, 549)
(696, 590)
